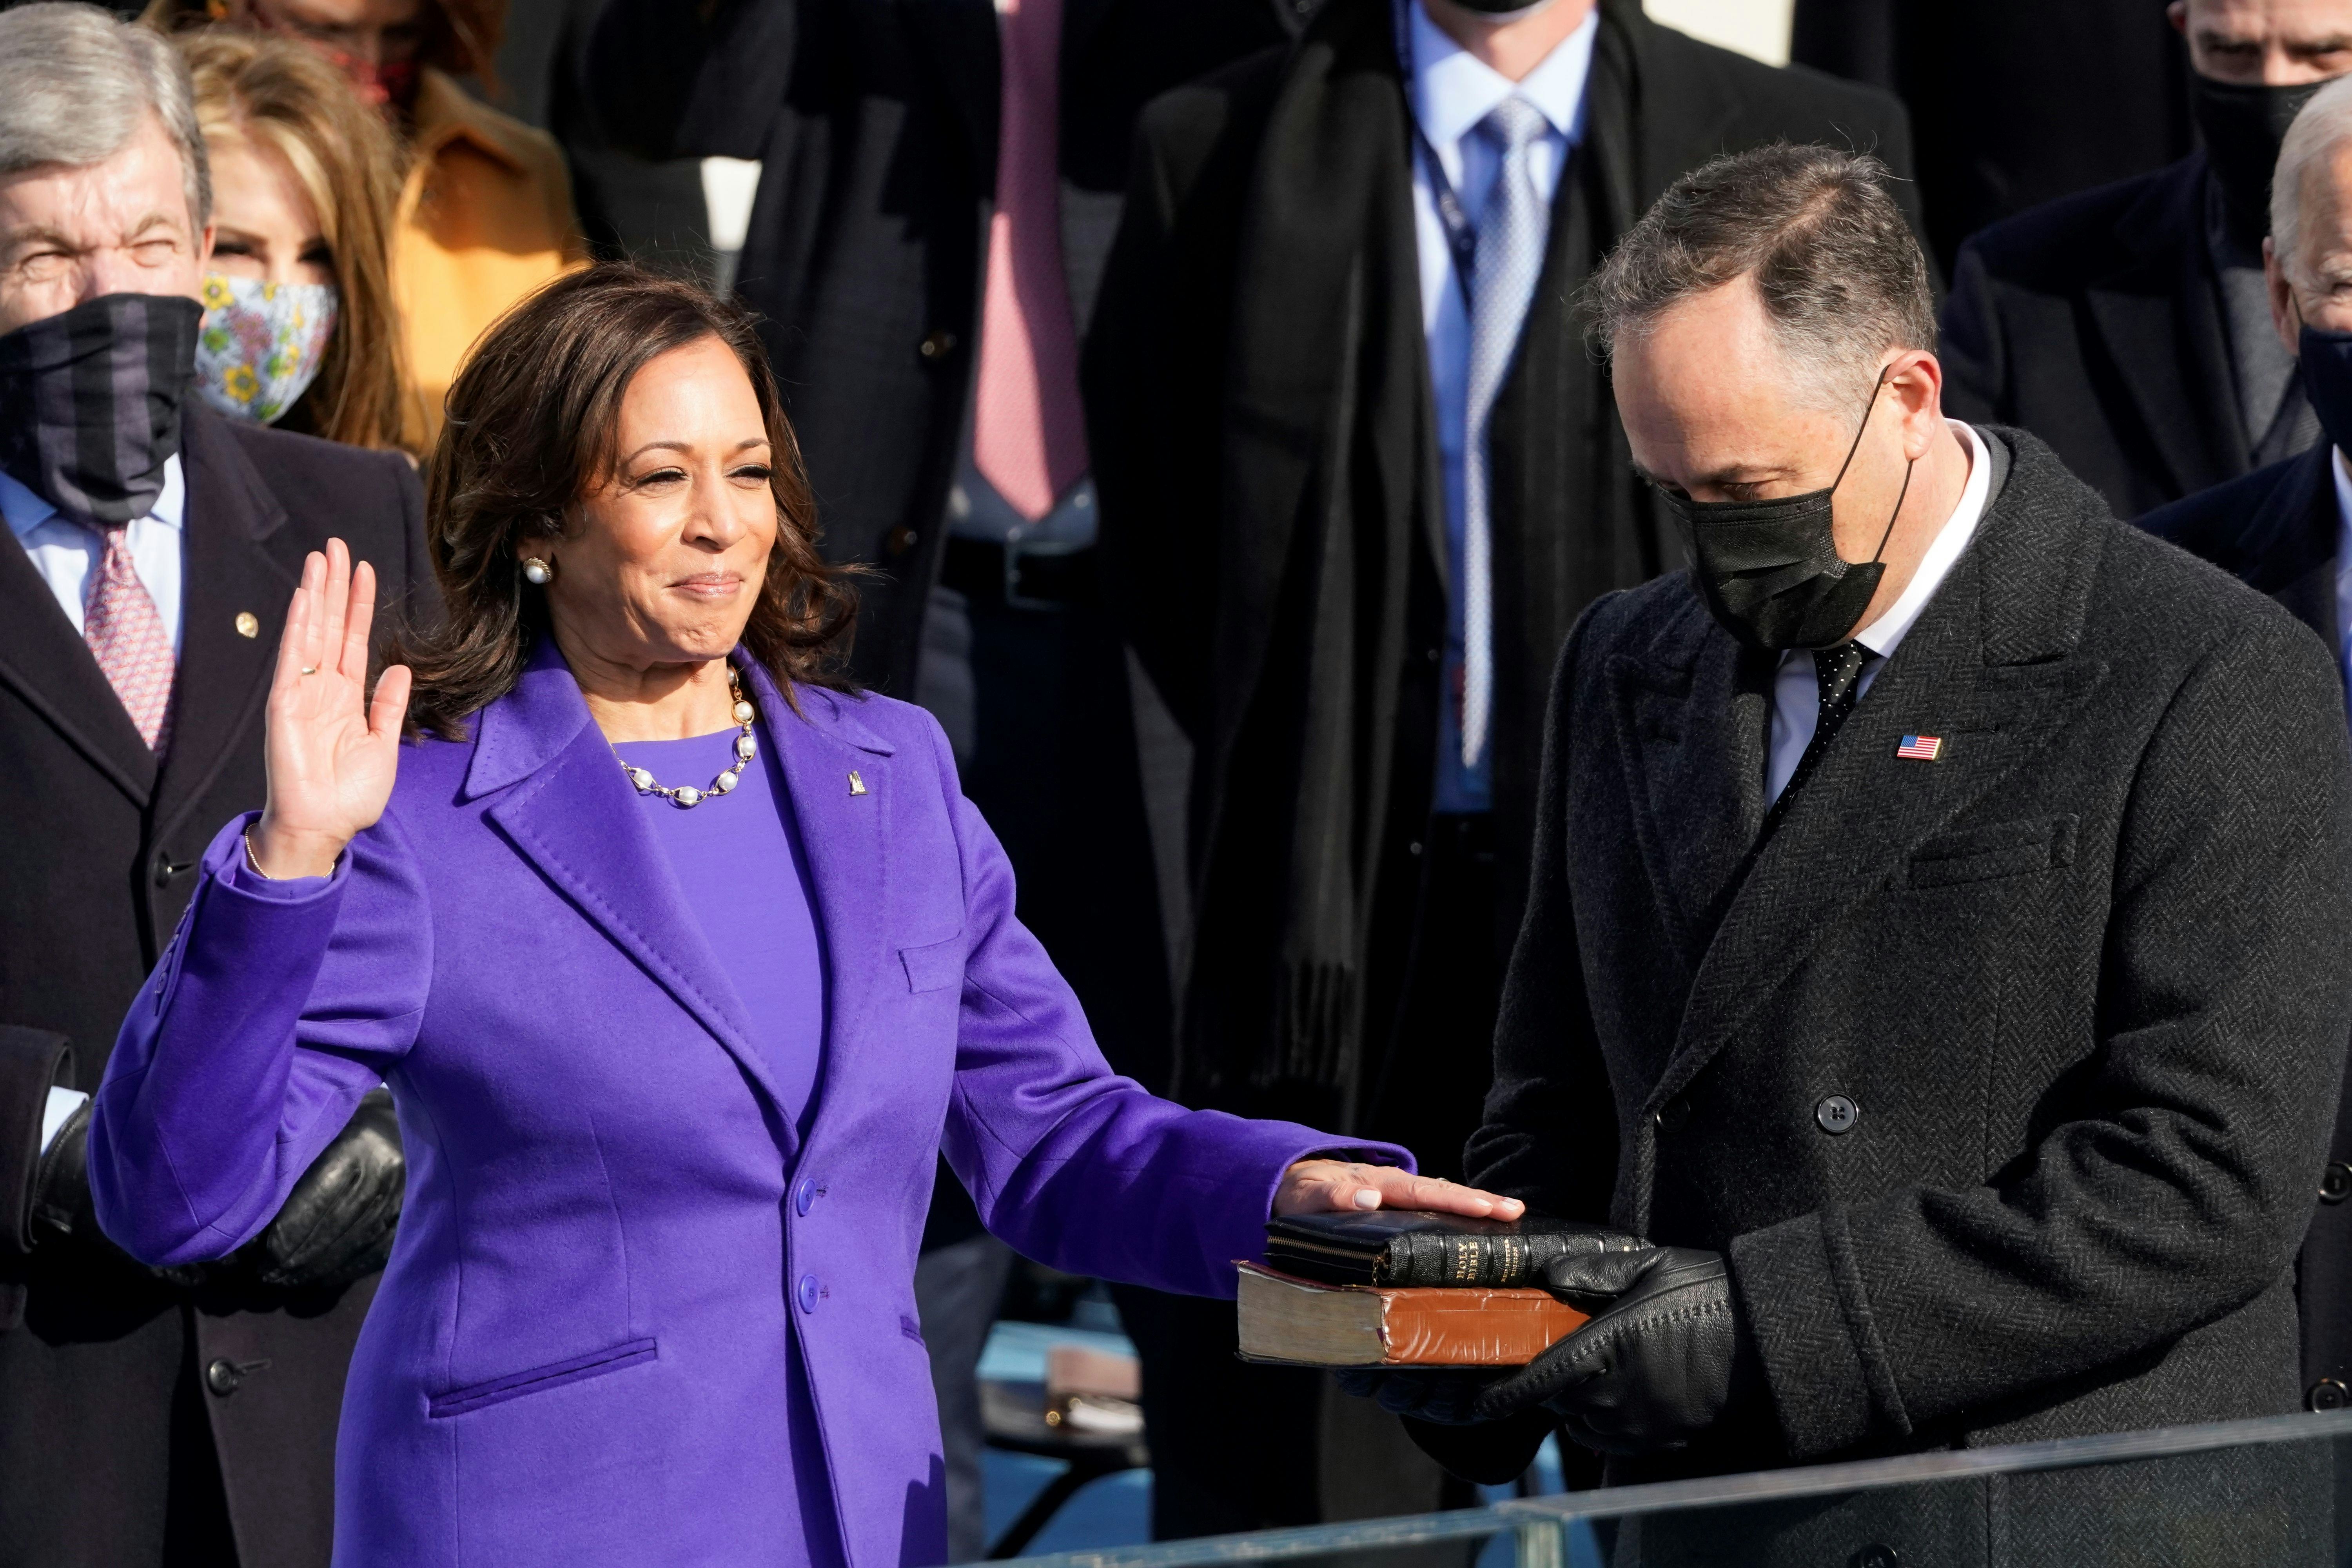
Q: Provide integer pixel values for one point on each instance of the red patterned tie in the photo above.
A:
(124, 630)
(1028, 437)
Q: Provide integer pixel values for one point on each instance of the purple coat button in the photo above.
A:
(804, 1195)
(808, 1292)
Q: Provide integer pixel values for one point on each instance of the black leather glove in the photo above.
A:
(1665, 1361)
(1443, 1396)
(336, 1226)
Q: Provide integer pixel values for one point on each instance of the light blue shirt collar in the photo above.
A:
(1453, 90)
(27, 511)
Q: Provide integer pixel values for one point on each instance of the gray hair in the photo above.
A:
(2318, 126)
(1840, 276)
(75, 85)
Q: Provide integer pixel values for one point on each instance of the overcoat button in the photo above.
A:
(808, 1292)
(902, 539)
(2336, 1183)
(936, 345)
(803, 1195)
(1837, 1115)
(223, 1377)
(2329, 1394)
(1877, 1556)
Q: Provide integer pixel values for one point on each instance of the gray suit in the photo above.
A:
(2083, 976)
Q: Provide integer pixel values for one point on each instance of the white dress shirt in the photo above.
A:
(66, 554)
(1451, 91)
(1797, 691)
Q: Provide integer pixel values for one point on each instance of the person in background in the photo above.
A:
(300, 329)
(2283, 528)
(2129, 326)
(1360, 476)
(940, 186)
(147, 1417)
(1996, 94)
(484, 215)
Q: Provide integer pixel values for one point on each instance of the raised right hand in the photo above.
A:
(330, 753)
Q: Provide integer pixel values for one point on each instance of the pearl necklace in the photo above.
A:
(746, 748)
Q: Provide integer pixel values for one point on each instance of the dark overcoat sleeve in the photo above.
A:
(32, 1061)
(671, 80)
(2180, 1186)
(1971, 349)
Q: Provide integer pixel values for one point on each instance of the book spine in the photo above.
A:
(1489, 1261)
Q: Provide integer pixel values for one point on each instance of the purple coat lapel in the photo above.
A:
(574, 815)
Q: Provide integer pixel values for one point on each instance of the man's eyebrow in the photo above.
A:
(39, 234)
(147, 222)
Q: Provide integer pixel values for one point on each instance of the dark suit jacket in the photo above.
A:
(1263, 439)
(2083, 975)
(2092, 323)
(877, 124)
(2276, 530)
(101, 862)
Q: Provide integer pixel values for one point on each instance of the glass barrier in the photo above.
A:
(2262, 1493)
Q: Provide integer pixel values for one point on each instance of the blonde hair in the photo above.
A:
(280, 96)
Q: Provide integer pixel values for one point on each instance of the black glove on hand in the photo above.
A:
(62, 1206)
(1661, 1363)
(336, 1226)
(1442, 1395)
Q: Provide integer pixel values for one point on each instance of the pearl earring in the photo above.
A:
(537, 573)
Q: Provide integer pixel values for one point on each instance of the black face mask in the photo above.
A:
(89, 403)
(2326, 363)
(1769, 570)
(2242, 127)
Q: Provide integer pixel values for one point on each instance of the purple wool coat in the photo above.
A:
(579, 1354)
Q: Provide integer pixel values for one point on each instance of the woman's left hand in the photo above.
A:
(1342, 1186)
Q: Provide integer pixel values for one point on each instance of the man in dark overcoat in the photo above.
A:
(147, 1420)
(1360, 474)
(2281, 530)
(1935, 948)
(2127, 326)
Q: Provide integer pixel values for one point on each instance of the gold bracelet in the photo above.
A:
(251, 864)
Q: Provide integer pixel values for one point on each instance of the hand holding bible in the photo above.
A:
(1667, 1358)
(330, 753)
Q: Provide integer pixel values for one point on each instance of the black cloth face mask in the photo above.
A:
(89, 403)
(1769, 570)
(2326, 359)
(2242, 127)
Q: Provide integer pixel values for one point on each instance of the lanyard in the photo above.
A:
(1461, 237)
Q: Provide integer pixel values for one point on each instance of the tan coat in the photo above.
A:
(484, 217)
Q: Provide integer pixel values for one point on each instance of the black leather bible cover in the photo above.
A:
(1416, 1247)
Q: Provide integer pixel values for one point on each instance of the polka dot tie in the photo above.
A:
(1838, 671)
(125, 632)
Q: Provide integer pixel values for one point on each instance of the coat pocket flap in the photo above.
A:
(555, 1374)
(1998, 849)
(935, 966)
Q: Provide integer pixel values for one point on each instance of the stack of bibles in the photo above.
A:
(1405, 1287)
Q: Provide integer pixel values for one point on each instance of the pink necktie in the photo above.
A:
(125, 631)
(1028, 437)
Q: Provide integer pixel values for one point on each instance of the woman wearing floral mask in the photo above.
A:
(483, 214)
(298, 326)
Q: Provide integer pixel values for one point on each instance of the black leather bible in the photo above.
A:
(1416, 1247)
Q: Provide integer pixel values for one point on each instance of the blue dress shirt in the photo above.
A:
(1451, 91)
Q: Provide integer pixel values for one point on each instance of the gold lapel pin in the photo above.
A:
(856, 784)
(248, 625)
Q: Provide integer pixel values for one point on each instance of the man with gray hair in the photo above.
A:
(1935, 945)
(2284, 529)
(146, 1417)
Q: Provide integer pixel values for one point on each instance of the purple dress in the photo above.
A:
(647, 1297)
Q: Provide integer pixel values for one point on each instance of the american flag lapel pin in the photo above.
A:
(1921, 748)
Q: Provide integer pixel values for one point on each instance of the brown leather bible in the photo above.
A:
(1304, 1323)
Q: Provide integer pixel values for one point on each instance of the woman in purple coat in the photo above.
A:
(682, 962)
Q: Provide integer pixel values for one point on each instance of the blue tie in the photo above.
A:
(1510, 255)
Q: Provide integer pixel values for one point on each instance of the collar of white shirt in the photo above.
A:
(1883, 635)
(1453, 90)
(27, 510)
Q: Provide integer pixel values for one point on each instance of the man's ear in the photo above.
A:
(1918, 379)
(2285, 319)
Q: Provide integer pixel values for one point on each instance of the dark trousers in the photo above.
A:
(1241, 1446)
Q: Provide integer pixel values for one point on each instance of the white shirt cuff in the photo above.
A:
(62, 1104)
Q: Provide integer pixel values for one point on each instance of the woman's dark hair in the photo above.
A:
(532, 421)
